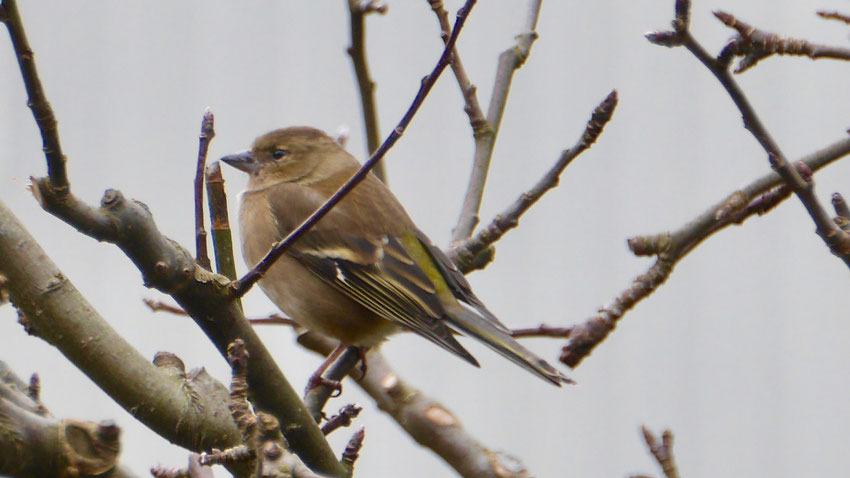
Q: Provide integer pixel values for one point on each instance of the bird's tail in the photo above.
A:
(473, 324)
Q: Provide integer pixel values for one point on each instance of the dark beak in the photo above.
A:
(243, 161)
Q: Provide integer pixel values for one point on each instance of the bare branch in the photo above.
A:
(834, 15)
(840, 206)
(34, 444)
(542, 330)
(480, 125)
(427, 421)
(158, 305)
(168, 267)
(194, 470)
(58, 314)
(663, 452)
(342, 419)
(836, 239)
(207, 134)
(485, 135)
(669, 248)
(220, 222)
(753, 44)
(36, 100)
(466, 252)
(352, 449)
(357, 51)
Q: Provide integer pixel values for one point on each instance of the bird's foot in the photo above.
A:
(316, 381)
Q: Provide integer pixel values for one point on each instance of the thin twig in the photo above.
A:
(464, 253)
(485, 139)
(834, 15)
(542, 330)
(754, 44)
(207, 134)
(480, 125)
(663, 452)
(274, 319)
(352, 449)
(36, 99)
(342, 419)
(357, 52)
(160, 306)
(238, 288)
(178, 407)
(194, 470)
(840, 205)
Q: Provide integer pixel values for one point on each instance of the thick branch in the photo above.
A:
(58, 314)
(35, 444)
(170, 268)
(205, 297)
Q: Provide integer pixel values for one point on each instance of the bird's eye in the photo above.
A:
(279, 153)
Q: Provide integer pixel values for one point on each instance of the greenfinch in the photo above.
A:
(364, 271)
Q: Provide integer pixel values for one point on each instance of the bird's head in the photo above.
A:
(296, 154)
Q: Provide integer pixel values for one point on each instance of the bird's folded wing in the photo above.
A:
(378, 273)
(457, 282)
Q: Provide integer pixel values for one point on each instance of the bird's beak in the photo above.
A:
(243, 161)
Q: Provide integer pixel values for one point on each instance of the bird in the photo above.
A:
(364, 271)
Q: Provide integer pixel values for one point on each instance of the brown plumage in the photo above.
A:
(364, 271)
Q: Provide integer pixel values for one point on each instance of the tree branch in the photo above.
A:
(753, 44)
(36, 100)
(485, 136)
(35, 444)
(467, 253)
(480, 125)
(837, 240)
(207, 134)
(758, 197)
(662, 452)
(220, 222)
(427, 421)
(834, 15)
(357, 51)
(168, 267)
(57, 313)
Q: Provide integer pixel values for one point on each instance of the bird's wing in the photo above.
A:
(457, 283)
(378, 273)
